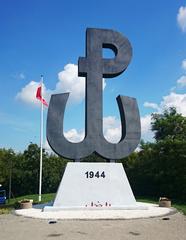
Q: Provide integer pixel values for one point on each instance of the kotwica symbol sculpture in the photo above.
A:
(94, 68)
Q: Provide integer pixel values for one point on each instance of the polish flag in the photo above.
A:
(39, 96)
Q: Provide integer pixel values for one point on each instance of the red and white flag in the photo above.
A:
(40, 98)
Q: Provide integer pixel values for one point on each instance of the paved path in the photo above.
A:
(20, 228)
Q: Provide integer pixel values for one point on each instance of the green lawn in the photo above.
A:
(147, 200)
(4, 209)
(10, 205)
(180, 206)
(44, 199)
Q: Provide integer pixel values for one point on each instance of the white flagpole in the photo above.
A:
(41, 143)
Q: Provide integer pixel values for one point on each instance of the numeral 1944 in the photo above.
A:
(91, 174)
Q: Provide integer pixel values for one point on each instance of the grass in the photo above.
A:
(147, 200)
(44, 199)
(9, 206)
(5, 210)
(180, 206)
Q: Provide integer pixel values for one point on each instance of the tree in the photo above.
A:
(7, 161)
(159, 169)
(169, 125)
(53, 169)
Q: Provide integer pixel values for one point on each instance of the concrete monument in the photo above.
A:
(96, 185)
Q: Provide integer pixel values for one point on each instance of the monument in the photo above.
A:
(96, 185)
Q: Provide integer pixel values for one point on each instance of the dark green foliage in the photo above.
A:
(159, 169)
(25, 170)
(7, 159)
(169, 125)
(53, 169)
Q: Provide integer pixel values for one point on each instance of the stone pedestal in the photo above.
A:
(94, 186)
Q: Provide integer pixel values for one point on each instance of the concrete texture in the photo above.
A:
(93, 185)
(152, 210)
(173, 227)
(94, 67)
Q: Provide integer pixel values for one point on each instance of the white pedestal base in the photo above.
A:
(94, 186)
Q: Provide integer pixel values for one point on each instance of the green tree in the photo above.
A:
(169, 125)
(53, 169)
(7, 161)
(23, 168)
(159, 169)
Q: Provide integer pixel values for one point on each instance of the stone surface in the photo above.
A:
(94, 68)
(94, 186)
(152, 210)
(20, 228)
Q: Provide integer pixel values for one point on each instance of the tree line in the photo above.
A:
(157, 169)
(23, 168)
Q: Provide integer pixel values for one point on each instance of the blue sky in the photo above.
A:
(47, 37)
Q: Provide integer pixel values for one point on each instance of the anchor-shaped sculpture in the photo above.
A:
(94, 68)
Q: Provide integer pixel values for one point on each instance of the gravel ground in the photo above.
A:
(172, 227)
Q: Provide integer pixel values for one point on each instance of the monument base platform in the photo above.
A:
(152, 210)
(94, 186)
(74, 208)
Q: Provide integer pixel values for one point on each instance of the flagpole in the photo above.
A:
(41, 144)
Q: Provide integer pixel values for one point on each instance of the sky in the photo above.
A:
(48, 36)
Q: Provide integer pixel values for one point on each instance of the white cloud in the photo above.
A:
(47, 147)
(28, 94)
(112, 129)
(68, 81)
(182, 81)
(74, 136)
(174, 100)
(183, 64)
(146, 133)
(151, 105)
(181, 18)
